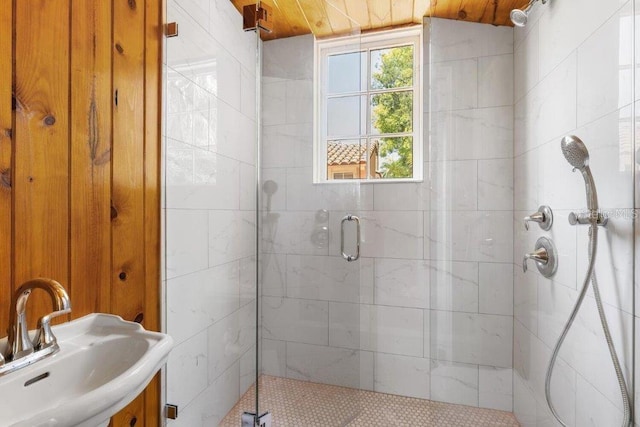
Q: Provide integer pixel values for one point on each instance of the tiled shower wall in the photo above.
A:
(471, 180)
(427, 311)
(432, 294)
(210, 158)
(574, 74)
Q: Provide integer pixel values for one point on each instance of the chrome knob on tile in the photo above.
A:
(545, 256)
(544, 218)
(584, 218)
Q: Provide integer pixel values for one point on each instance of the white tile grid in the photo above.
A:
(563, 28)
(549, 110)
(484, 133)
(455, 40)
(526, 61)
(572, 76)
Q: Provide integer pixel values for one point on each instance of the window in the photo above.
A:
(368, 99)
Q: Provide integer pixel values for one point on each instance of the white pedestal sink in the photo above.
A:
(103, 364)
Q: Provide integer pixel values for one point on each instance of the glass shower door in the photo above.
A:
(310, 289)
(210, 170)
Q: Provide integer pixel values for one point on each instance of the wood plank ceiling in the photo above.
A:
(328, 18)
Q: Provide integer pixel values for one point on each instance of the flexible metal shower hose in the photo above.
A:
(590, 276)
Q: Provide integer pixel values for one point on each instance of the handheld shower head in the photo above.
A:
(576, 153)
(269, 187)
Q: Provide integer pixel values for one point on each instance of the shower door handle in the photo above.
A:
(346, 219)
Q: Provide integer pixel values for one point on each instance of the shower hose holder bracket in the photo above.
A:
(584, 218)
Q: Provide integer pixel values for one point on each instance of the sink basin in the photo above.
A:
(104, 362)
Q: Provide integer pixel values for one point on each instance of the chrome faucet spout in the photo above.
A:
(19, 344)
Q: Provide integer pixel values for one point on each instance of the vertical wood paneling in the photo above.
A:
(128, 252)
(152, 188)
(41, 184)
(132, 415)
(127, 298)
(152, 184)
(90, 157)
(79, 174)
(6, 118)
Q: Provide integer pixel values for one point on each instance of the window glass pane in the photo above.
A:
(395, 157)
(392, 67)
(347, 73)
(345, 116)
(392, 112)
(346, 159)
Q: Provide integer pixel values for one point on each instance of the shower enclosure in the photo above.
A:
(292, 288)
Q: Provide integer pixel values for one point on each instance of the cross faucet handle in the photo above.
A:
(45, 337)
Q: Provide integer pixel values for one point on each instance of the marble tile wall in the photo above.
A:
(471, 183)
(209, 209)
(574, 74)
(428, 310)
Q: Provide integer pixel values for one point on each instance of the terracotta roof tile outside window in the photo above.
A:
(340, 153)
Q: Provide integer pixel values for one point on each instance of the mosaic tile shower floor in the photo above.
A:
(296, 403)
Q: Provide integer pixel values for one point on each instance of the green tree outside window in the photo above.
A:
(392, 112)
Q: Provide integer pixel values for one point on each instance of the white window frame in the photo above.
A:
(359, 43)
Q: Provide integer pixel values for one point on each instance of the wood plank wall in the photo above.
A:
(80, 85)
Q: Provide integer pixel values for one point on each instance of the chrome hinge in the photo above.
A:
(257, 17)
(172, 29)
(171, 411)
(250, 420)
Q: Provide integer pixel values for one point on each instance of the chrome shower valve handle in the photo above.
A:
(544, 218)
(545, 256)
(541, 255)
